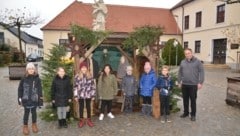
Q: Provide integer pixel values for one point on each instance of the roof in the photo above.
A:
(181, 3)
(27, 38)
(119, 18)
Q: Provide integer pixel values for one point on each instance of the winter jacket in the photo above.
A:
(107, 87)
(147, 83)
(191, 72)
(129, 85)
(30, 91)
(84, 88)
(164, 84)
(61, 90)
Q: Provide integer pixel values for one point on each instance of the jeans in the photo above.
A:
(88, 107)
(107, 103)
(189, 92)
(26, 115)
(164, 104)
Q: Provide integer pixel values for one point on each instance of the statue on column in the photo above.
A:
(99, 15)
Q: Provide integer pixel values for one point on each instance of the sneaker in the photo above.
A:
(110, 115)
(162, 120)
(101, 116)
(168, 120)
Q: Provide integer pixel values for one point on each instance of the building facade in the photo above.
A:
(30, 44)
(203, 23)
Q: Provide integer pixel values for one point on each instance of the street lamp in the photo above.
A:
(175, 43)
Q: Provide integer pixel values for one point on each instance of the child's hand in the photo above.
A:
(93, 98)
(53, 101)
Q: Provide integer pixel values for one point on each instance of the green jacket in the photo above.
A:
(107, 87)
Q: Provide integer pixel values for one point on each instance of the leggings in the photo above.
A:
(88, 107)
(26, 115)
(107, 103)
(61, 112)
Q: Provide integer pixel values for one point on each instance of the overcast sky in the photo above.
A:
(48, 9)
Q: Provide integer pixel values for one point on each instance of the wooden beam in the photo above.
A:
(125, 54)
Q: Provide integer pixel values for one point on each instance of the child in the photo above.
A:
(84, 92)
(29, 96)
(107, 87)
(129, 88)
(147, 83)
(61, 95)
(164, 84)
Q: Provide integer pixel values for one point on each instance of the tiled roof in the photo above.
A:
(119, 18)
(181, 3)
(27, 38)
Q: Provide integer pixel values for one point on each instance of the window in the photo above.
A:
(163, 43)
(1, 38)
(185, 44)
(63, 41)
(220, 13)
(186, 22)
(197, 46)
(198, 19)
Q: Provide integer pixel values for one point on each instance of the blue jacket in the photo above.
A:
(147, 83)
(164, 83)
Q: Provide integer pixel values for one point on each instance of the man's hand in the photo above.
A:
(69, 100)
(199, 86)
(53, 101)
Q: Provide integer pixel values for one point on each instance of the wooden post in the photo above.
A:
(156, 104)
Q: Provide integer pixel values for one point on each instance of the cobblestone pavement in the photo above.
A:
(214, 117)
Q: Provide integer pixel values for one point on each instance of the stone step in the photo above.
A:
(218, 66)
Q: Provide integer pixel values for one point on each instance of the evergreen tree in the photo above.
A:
(54, 60)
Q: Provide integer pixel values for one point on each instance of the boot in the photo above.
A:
(89, 122)
(149, 110)
(25, 130)
(34, 128)
(64, 123)
(144, 109)
(81, 123)
(60, 123)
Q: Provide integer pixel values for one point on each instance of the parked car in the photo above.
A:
(33, 57)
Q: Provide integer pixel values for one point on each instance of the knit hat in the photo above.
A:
(30, 66)
(83, 64)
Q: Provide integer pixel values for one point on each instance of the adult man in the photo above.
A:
(190, 79)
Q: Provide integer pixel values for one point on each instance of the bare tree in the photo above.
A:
(20, 18)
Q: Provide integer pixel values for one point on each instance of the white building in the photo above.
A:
(202, 23)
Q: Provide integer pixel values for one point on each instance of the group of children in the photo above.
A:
(84, 91)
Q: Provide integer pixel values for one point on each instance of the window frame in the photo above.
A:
(197, 46)
(220, 13)
(198, 19)
(186, 22)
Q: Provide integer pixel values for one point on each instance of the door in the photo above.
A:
(219, 51)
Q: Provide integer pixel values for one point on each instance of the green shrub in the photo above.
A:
(169, 53)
